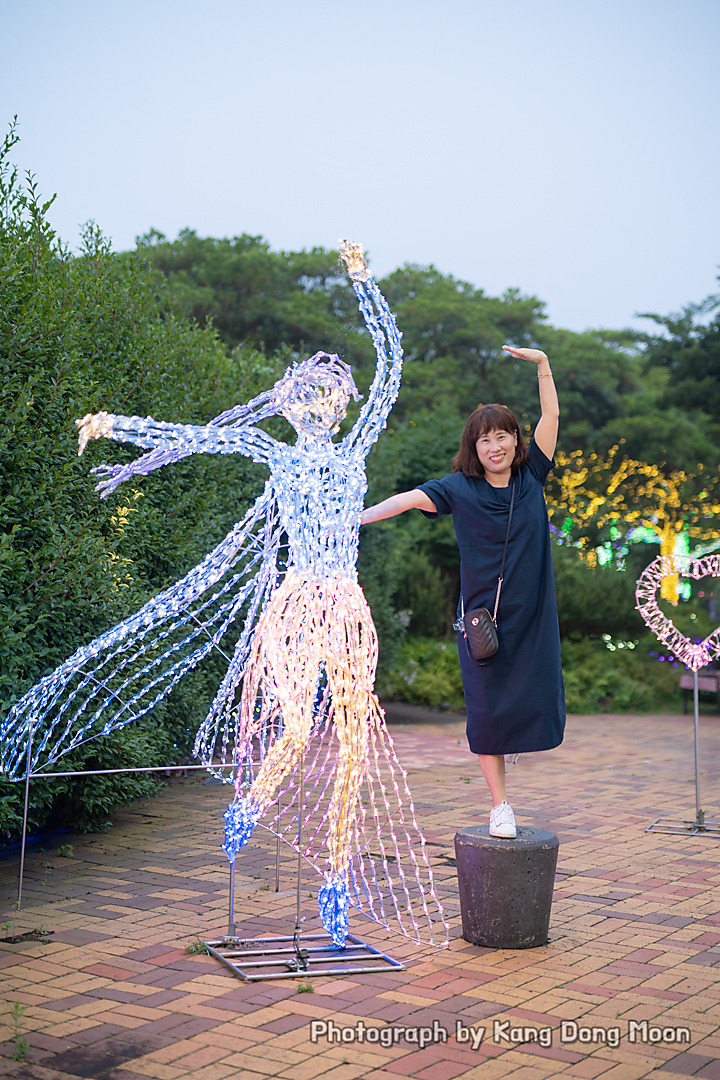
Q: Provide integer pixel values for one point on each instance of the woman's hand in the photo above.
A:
(535, 356)
(547, 426)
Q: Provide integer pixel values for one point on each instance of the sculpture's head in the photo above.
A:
(314, 394)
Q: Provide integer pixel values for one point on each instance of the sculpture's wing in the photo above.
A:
(122, 674)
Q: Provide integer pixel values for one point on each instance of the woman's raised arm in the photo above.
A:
(398, 504)
(546, 430)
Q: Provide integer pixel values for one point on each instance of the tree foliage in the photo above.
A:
(689, 353)
(630, 404)
(299, 299)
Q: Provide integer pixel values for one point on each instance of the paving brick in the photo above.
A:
(285, 1023)
(685, 1064)
(206, 1055)
(442, 1070)
(633, 932)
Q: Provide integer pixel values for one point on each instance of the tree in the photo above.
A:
(269, 300)
(591, 499)
(691, 357)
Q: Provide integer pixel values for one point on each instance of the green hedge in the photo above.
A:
(597, 678)
(79, 334)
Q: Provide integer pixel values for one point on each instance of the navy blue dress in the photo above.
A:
(516, 702)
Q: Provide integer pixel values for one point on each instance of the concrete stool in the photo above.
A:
(506, 886)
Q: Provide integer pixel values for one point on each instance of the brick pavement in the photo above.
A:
(635, 934)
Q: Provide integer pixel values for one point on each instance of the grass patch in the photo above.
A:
(38, 934)
(21, 1043)
(197, 948)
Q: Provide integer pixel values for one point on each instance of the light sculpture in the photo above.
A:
(307, 736)
(694, 654)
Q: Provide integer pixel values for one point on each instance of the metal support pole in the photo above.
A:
(231, 912)
(700, 826)
(277, 846)
(299, 844)
(699, 813)
(301, 955)
(144, 769)
(31, 733)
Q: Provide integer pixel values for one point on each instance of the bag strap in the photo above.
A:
(502, 568)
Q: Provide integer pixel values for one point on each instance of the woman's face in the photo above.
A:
(496, 450)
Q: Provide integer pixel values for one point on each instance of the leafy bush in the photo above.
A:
(597, 678)
(81, 334)
(426, 672)
(595, 601)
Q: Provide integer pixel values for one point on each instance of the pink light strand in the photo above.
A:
(694, 655)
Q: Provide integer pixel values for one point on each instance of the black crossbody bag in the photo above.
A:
(479, 627)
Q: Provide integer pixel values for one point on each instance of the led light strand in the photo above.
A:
(694, 654)
(305, 649)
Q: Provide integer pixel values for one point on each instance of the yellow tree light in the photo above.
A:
(596, 492)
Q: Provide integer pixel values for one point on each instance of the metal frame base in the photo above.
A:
(679, 827)
(256, 959)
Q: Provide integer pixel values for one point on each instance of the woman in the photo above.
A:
(516, 701)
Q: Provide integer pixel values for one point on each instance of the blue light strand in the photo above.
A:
(241, 817)
(334, 910)
(64, 697)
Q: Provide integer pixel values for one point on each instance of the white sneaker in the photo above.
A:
(502, 822)
(510, 760)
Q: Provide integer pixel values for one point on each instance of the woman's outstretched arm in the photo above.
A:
(398, 504)
(546, 431)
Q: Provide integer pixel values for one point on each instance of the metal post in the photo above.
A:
(277, 847)
(699, 813)
(301, 955)
(31, 732)
(700, 826)
(299, 843)
(231, 913)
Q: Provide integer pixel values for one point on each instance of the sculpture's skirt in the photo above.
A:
(314, 654)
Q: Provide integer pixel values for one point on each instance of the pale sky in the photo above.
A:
(567, 147)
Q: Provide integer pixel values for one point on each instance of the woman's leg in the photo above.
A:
(493, 767)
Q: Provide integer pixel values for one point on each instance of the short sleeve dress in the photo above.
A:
(515, 702)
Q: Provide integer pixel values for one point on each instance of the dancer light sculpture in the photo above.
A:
(295, 713)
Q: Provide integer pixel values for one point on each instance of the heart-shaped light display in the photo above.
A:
(694, 655)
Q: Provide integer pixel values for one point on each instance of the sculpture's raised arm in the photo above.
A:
(170, 442)
(385, 335)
